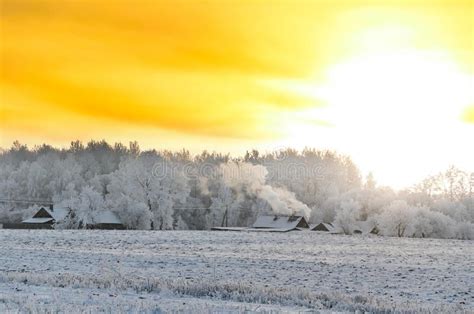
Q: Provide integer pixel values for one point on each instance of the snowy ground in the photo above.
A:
(192, 271)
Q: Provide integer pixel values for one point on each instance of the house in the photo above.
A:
(365, 227)
(243, 229)
(45, 217)
(271, 223)
(280, 222)
(326, 227)
(105, 220)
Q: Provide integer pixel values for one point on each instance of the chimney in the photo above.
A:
(51, 207)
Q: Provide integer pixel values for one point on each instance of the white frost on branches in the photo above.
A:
(175, 190)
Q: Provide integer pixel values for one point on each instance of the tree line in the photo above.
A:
(165, 190)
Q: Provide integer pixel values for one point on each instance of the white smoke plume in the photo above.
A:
(240, 175)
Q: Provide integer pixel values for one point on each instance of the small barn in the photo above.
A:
(105, 220)
(281, 222)
(45, 217)
(243, 229)
(365, 227)
(325, 227)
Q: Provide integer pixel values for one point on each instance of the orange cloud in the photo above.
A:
(192, 67)
(188, 67)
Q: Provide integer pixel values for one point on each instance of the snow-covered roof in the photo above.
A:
(229, 229)
(106, 217)
(280, 222)
(321, 226)
(273, 229)
(243, 229)
(37, 220)
(364, 226)
(58, 213)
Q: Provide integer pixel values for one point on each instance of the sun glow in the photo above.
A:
(386, 106)
(394, 88)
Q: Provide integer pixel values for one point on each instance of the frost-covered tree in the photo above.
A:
(176, 190)
(138, 180)
(133, 213)
(395, 219)
(427, 223)
(347, 215)
(83, 208)
(464, 231)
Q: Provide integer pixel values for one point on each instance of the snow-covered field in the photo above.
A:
(199, 271)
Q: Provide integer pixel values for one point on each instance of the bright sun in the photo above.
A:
(387, 105)
(401, 87)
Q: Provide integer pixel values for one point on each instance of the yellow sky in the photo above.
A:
(388, 82)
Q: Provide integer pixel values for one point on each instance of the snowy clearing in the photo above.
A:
(201, 271)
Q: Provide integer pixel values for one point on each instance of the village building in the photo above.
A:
(365, 227)
(45, 218)
(105, 220)
(245, 229)
(325, 227)
(283, 222)
(271, 223)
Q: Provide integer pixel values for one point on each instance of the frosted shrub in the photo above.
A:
(347, 215)
(395, 219)
(465, 231)
(427, 223)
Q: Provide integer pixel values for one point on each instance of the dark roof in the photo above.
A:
(46, 215)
